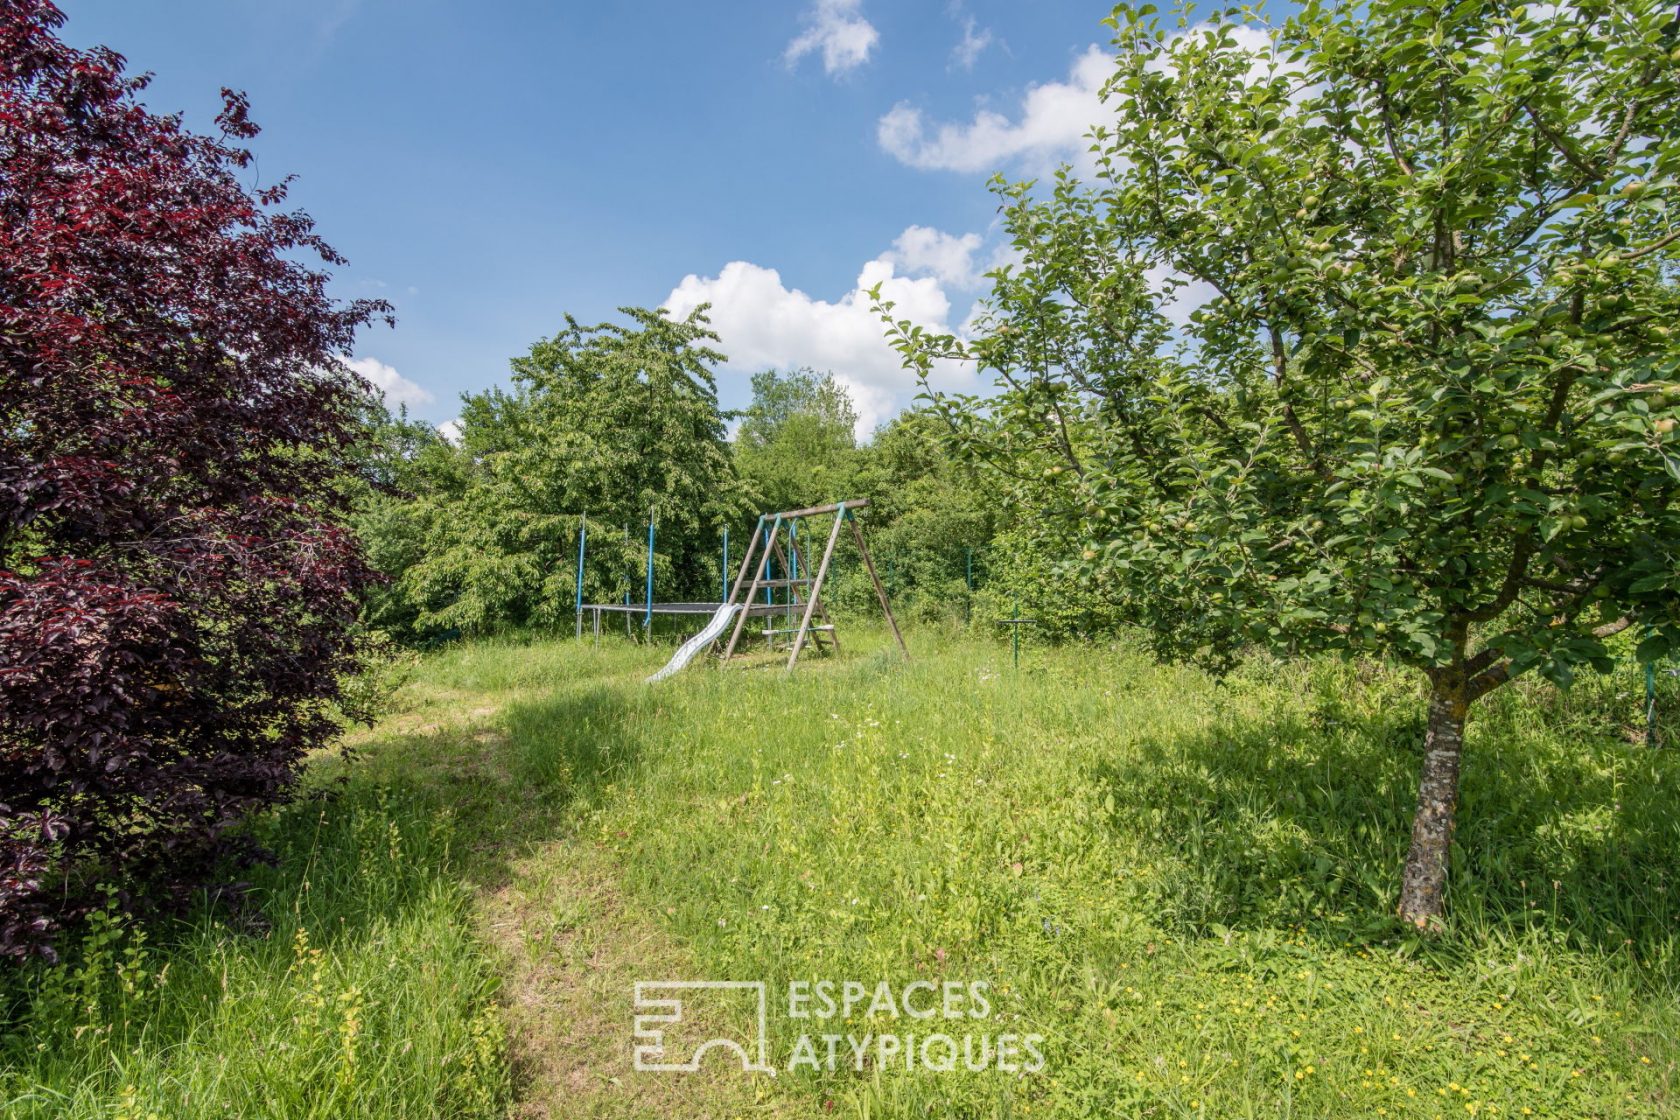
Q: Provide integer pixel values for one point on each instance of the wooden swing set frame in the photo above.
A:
(771, 546)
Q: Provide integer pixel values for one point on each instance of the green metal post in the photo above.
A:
(1015, 632)
(1650, 703)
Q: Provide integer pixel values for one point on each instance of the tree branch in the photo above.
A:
(1660, 243)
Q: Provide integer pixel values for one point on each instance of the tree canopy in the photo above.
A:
(795, 445)
(1426, 411)
(614, 422)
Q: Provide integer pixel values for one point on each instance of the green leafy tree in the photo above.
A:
(1428, 410)
(618, 422)
(405, 474)
(401, 456)
(926, 515)
(795, 446)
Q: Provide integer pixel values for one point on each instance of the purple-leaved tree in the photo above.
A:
(177, 589)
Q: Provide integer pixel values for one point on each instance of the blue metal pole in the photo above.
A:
(583, 542)
(793, 551)
(769, 566)
(647, 620)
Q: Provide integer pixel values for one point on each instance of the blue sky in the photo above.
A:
(488, 167)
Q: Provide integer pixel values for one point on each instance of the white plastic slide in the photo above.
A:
(685, 652)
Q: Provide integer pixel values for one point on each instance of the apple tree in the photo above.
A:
(1362, 339)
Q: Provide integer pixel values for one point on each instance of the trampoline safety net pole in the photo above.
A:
(583, 542)
(647, 619)
(723, 572)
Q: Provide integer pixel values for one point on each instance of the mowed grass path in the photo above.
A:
(1181, 885)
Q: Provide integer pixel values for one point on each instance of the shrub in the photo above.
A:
(177, 590)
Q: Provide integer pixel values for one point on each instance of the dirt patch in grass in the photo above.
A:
(574, 949)
(568, 944)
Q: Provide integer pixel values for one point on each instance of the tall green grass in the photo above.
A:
(352, 985)
(1182, 884)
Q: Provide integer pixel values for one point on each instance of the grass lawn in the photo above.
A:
(1181, 885)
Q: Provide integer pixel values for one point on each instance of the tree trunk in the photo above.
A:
(1424, 884)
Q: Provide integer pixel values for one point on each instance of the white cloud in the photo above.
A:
(948, 257)
(837, 29)
(974, 42)
(451, 430)
(396, 388)
(1049, 128)
(763, 323)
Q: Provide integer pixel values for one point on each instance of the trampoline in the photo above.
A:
(647, 610)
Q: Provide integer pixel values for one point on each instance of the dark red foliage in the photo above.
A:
(176, 587)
